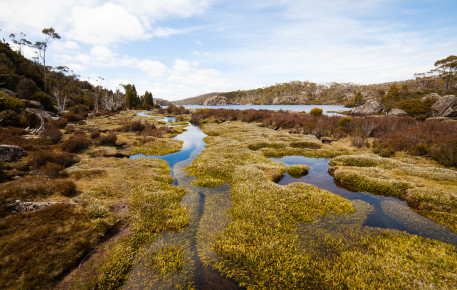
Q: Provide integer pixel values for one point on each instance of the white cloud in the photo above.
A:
(153, 68)
(64, 45)
(105, 24)
(165, 9)
(182, 65)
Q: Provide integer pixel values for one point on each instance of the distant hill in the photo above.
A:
(198, 100)
(309, 93)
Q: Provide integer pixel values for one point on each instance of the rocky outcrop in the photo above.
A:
(36, 104)
(216, 101)
(397, 113)
(369, 108)
(432, 96)
(10, 153)
(445, 107)
(16, 206)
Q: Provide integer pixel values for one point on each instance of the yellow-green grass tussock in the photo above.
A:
(429, 190)
(279, 236)
(298, 170)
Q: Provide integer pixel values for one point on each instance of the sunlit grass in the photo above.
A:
(299, 236)
(429, 190)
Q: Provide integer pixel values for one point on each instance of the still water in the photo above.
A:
(403, 219)
(208, 215)
(327, 109)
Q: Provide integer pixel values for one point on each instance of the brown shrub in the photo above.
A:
(359, 141)
(72, 117)
(56, 124)
(34, 187)
(52, 170)
(94, 135)
(42, 157)
(69, 129)
(54, 135)
(39, 246)
(106, 140)
(76, 143)
(134, 126)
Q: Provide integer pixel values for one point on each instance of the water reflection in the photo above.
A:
(193, 145)
(389, 212)
(208, 217)
(327, 109)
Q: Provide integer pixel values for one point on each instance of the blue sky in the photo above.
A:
(183, 48)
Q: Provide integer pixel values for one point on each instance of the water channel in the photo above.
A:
(208, 216)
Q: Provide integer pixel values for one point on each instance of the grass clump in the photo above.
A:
(298, 170)
(428, 190)
(291, 236)
(371, 180)
(167, 261)
(144, 184)
(156, 146)
(155, 209)
(259, 247)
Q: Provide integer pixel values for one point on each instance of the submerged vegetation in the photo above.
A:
(299, 236)
(429, 190)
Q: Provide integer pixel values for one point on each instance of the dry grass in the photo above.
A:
(37, 247)
(63, 234)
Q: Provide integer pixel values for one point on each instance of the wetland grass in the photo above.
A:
(102, 198)
(431, 191)
(299, 236)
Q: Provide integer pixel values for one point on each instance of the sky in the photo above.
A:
(183, 48)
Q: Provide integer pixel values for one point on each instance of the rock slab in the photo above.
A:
(397, 113)
(369, 108)
(445, 107)
(216, 101)
(10, 152)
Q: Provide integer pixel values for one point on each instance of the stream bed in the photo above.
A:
(208, 216)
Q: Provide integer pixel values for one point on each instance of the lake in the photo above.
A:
(296, 108)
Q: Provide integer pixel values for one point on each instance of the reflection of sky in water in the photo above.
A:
(411, 222)
(192, 145)
(295, 108)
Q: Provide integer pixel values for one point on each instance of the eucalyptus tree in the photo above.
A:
(20, 41)
(42, 46)
(447, 69)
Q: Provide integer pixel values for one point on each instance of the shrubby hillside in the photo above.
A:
(441, 80)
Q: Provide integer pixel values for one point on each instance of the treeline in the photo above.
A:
(436, 139)
(30, 86)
